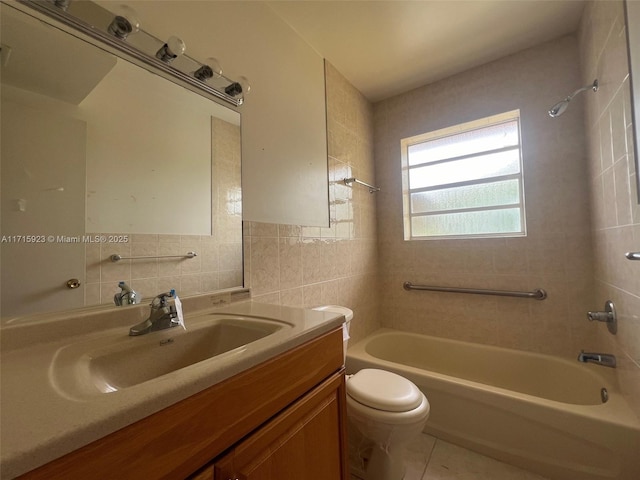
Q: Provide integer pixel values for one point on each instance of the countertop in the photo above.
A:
(41, 420)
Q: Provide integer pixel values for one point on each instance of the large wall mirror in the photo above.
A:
(102, 157)
(633, 39)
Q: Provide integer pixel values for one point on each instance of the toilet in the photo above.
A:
(385, 412)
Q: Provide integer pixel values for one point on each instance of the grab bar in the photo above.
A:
(349, 181)
(538, 293)
(116, 258)
(632, 255)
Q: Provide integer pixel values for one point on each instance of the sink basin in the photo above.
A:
(116, 362)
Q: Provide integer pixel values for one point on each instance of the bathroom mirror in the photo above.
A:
(632, 16)
(102, 157)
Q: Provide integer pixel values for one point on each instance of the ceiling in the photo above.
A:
(388, 47)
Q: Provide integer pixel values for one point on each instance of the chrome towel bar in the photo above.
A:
(116, 258)
(633, 255)
(538, 293)
(349, 181)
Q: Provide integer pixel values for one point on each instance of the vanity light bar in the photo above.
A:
(52, 10)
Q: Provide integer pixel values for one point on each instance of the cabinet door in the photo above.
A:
(204, 474)
(305, 442)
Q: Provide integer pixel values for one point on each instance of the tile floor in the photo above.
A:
(429, 458)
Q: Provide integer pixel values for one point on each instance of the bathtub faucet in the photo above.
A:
(604, 359)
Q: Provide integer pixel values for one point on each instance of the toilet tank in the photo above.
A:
(348, 316)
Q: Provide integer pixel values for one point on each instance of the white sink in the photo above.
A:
(70, 378)
(116, 361)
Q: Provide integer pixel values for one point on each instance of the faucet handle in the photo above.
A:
(160, 300)
(608, 316)
(600, 316)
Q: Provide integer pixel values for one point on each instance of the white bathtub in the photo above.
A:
(539, 412)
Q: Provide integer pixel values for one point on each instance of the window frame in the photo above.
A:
(493, 120)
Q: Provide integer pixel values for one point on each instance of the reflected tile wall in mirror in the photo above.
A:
(219, 261)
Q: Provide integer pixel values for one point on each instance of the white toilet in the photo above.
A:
(386, 410)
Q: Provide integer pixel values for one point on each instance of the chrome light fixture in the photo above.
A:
(210, 69)
(124, 23)
(238, 89)
(171, 50)
(204, 77)
(560, 107)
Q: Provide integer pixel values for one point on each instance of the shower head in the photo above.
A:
(559, 108)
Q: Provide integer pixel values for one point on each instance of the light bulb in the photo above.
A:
(244, 83)
(125, 22)
(239, 89)
(176, 46)
(172, 49)
(211, 68)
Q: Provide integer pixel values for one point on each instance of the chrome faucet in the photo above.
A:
(162, 316)
(126, 296)
(604, 359)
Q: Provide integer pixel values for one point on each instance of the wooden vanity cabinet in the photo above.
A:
(282, 419)
(305, 442)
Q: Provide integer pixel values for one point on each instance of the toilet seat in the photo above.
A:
(384, 390)
(367, 415)
(387, 391)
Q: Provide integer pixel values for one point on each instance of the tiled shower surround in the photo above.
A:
(581, 204)
(555, 254)
(615, 211)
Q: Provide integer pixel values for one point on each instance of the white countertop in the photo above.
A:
(41, 421)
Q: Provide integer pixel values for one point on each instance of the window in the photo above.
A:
(465, 181)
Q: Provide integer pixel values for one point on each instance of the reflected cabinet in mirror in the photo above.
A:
(103, 157)
(632, 16)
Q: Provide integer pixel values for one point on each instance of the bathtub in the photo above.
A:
(539, 412)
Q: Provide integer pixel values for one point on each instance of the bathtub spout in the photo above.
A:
(603, 359)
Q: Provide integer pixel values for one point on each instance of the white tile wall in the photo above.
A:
(555, 255)
(614, 200)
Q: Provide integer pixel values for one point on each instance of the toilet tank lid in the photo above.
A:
(347, 312)
(384, 390)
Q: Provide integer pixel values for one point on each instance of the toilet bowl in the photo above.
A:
(385, 411)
